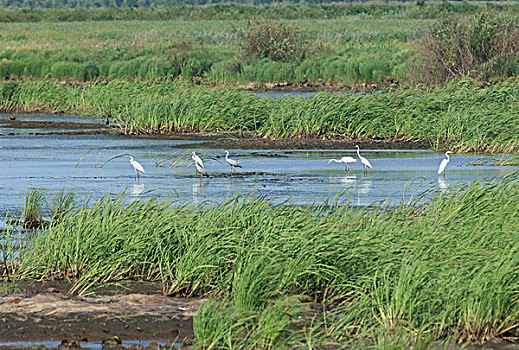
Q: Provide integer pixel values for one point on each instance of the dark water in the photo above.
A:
(49, 162)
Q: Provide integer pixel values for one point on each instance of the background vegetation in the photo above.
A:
(336, 45)
(51, 4)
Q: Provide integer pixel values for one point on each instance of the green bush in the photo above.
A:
(274, 40)
(485, 45)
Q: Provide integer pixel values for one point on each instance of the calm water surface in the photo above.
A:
(49, 162)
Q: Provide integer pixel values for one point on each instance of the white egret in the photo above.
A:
(363, 160)
(199, 165)
(232, 163)
(444, 163)
(345, 160)
(136, 166)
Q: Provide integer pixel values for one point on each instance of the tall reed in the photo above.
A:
(462, 117)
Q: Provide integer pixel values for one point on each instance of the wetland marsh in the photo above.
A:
(289, 252)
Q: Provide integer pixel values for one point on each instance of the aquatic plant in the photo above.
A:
(33, 204)
(63, 203)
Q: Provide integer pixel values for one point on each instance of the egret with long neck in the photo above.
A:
(137, 167)
(364, 161)
(232, 163)
(199, 165)
(345, 160)
(444, 163)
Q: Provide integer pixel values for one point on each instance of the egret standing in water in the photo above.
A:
(232, 163)
(444, 163)
(345, 160)
(363, 160)
(137, 167)
(199, 165)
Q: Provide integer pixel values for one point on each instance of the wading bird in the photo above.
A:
(232, 163)
(363, 160)
(199, 165)
(137, 167)
(345, 160)
(444, 163)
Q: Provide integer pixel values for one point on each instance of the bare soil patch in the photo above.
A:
(32, 311)
(307, 143)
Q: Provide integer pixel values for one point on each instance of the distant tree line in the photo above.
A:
(92, 4)
(234, 11)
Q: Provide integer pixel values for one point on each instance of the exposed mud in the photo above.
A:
(261, 143)
(62, 128)
(211, 139)
(46, 311)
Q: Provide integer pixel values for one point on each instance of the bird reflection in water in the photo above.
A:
(348, 180)
(365, 185)
(137, 189)
(198, 191)
(444, 186)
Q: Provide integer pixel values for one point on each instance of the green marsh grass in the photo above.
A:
(439, 270)
(461, 117)
(33, 207)
(207, 50)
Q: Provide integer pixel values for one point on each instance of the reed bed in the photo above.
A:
(443, 269)
(462, 117)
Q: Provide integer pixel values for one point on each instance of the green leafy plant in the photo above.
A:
(274, 40)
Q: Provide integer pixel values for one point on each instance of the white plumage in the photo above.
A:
(345, 160)
(198, 164)
(232, 163)
(444, 163)
(136, 166)
(363, 160)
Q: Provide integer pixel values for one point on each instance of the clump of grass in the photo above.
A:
(503, 160)
(62, 204)
(33, 204)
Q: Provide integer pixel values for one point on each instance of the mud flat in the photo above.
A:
(45, 311)
(306, 143)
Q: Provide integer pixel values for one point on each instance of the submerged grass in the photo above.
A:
(462, 117)
(413, 273)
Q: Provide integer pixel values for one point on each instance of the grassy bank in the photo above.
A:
(339, 45)
(462, 117)
(445, 270)
(351, 50)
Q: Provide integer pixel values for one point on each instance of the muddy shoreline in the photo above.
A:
(45, 311)
(228, 140)
(261, 143)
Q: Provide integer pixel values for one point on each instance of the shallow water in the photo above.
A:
(302, 176)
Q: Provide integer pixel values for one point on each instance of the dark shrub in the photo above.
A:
(486, 45)
(274, 40)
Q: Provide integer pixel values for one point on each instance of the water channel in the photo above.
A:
(40, 158)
